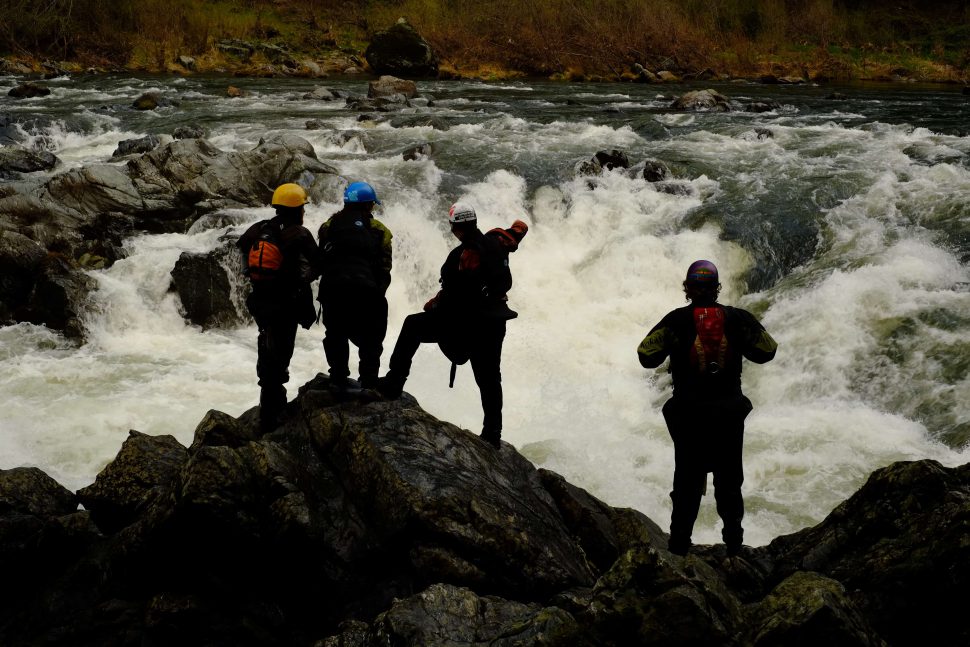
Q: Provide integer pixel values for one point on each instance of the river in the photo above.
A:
(842, 223)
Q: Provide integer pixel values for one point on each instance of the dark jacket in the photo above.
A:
(355, 254)
(475, 278)
(290, 290)
(675, 336)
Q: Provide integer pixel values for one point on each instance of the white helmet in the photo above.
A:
(460, 213)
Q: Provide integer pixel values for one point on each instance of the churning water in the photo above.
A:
(844, 224)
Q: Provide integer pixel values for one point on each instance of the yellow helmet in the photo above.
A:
(289, 195)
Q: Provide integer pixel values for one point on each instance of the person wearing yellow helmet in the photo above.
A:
(280, 259)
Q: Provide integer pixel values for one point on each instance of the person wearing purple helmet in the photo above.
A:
(706, 342)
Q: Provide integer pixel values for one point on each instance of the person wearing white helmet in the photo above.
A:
(705, 417)
(280, 259)
(355, 266)
(467, 317)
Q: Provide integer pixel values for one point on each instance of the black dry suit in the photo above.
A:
(705, 416)
(355, 260)
(467, 317)
(279, 302)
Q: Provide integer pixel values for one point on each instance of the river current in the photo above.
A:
(842, 223)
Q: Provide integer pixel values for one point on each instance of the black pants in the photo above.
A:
(708, 437)
(360, 319)
(480, 341)
(274, 347)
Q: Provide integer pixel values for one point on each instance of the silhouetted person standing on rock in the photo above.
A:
(467, 317)
(280, 257)
(705, 417)
(355, 265)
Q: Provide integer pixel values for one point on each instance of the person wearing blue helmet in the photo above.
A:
(706, 342)
(355, 261)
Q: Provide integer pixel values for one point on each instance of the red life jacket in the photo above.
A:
(709, 354)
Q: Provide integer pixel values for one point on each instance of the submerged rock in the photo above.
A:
(28, 90)
(367, 523)
(711, 100)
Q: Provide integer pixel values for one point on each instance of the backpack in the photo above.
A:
(265, 258)
(709, 352)
(350, 255)
(507, 242)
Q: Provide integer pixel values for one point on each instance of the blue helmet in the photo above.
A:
(360, 192)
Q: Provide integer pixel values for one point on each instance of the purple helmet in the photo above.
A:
(703, 272)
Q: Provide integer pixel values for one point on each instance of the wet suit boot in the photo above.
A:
(272, 399)
(493, 437)
(390, 386)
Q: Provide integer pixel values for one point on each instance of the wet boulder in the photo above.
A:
(59, 296)
(190, 131)
(136, 146)
(321, 94)
(651, 170)
(138, 475)
(899, 544)
(809, 609)
(211, 287)
(449, 615)
(147, 101)
(401, 51)
(15, 160)
(421, 151)
(20, 260)
(603, 160)
(390, 86)
(650, 596)
(702, 100)
(29, 90)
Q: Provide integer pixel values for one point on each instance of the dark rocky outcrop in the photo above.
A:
(603, 160)
(390, 86)
(401, 51)
(29, 90)
(135, 146)
(86, 212)
(420, 151)
(147, 101)
(190, 131)
(210, 287)
(709, 100)
(15, 160)
(370, 523)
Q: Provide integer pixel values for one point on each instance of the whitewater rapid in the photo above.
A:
(844, 231)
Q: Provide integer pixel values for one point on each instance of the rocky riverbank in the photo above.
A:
(364, 522)
(401, 50)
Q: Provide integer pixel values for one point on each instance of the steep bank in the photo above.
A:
(363, 522)
(553, 38)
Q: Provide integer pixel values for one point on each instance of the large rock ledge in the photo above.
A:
(363, 523)
(78, 219)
